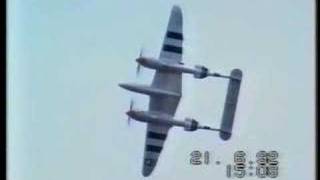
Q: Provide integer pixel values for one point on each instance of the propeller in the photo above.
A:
(131, 107)
(139, 65)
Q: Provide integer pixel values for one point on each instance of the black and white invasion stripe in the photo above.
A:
(172, 45)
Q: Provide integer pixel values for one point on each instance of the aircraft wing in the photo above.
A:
(171, 52)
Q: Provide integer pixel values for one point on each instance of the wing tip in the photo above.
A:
(148, 166)
(147, 171)
(146, 174)
(175, 20)
(176, 9)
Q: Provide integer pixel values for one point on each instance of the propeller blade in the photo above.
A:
(141, 52)
(131, 104)
(130, 108)
(138, 69)
(129, 120)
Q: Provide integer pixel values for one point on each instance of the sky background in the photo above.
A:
(66, 113)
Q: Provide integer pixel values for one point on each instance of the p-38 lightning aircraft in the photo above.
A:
(165, 94)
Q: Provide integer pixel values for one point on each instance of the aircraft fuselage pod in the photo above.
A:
(199, 71)
(188, 124)
(157, 118)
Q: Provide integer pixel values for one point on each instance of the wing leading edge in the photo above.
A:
(171, 52)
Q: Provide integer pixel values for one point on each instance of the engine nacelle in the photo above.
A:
(190, 124)
(202, 72)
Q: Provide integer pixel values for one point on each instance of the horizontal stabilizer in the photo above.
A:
(230, 104)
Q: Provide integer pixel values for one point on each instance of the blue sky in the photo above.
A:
(66, 112)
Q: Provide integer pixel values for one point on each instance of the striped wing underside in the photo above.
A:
(171, 52)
